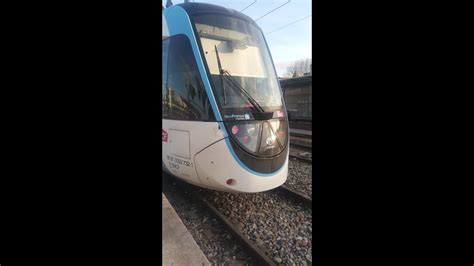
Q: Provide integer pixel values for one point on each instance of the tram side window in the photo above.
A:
(164, 91)
(186, 97)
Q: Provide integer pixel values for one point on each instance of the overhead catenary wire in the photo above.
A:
(249, 5)
(272, 10)
(288, 24)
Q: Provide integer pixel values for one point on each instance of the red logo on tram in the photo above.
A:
(164, 135)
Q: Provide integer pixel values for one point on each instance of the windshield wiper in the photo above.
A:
(220, 73)
(225, 75)
(236, 85)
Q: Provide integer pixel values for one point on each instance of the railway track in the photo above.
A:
(252, 248)
(297, 195)
(307, 147)
(301, 158)
(259, 252)
(303, 142)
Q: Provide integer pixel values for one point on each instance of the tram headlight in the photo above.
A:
(275, 125)
(273, 137)
(262, 138)
(235, 129)
(246, 134)
(253, 130)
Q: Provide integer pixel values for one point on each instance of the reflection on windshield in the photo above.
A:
(245, 61)
(243, 53)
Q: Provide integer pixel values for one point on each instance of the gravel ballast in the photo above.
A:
(211, 236)
(277, 224)
(300, 177)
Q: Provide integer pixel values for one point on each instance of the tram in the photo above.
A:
(224, 120)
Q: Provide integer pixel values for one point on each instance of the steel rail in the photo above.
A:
(253, 249)
(301, 158)
(299, 135)
(302, 146)
(297, 195)
(256, 251)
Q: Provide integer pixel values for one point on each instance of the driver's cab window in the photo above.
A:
(186, 95)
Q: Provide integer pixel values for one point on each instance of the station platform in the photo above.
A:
(178, 246)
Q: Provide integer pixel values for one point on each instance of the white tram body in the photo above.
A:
(224, 124)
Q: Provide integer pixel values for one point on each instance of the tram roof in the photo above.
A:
(199, 8)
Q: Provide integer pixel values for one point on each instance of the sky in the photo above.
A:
(286, 45)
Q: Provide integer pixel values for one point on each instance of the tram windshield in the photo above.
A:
(237, 48)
